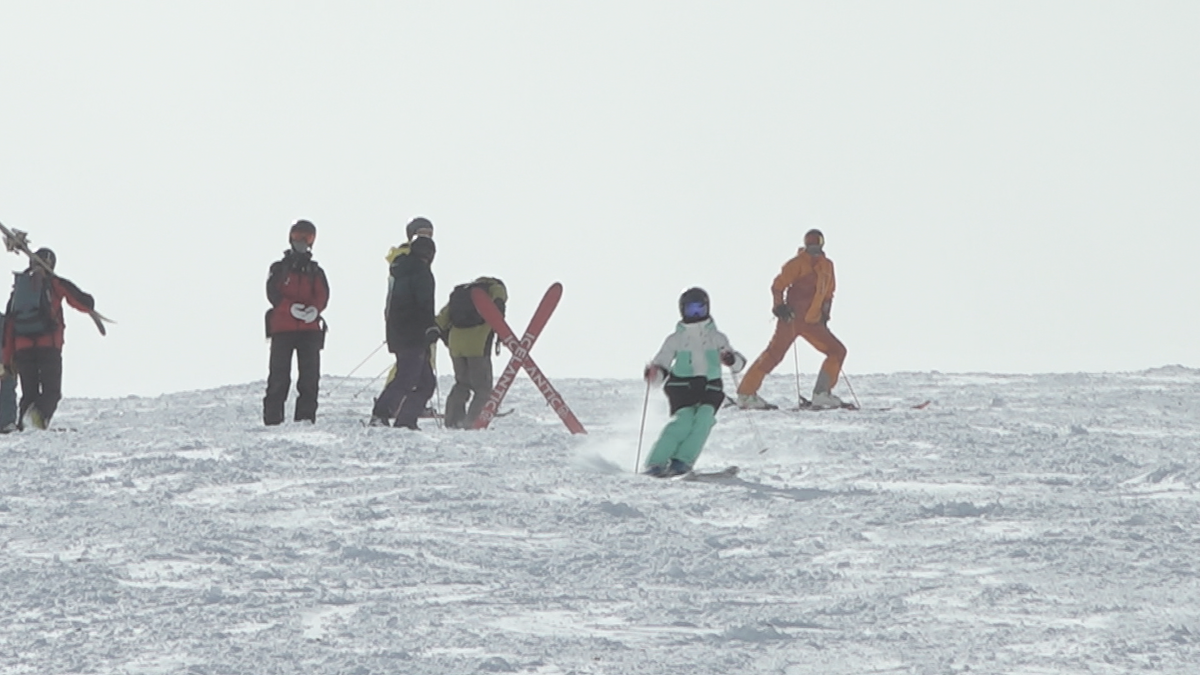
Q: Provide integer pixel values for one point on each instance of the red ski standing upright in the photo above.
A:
(521, 358)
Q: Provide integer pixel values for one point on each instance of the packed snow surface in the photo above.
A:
(1028, 524)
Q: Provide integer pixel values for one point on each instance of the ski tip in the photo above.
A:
(727, 472)
(922, 406)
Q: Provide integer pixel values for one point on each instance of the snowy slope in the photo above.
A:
(1020, 524)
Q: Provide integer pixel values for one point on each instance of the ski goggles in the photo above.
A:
(306, 237)
(695, 310)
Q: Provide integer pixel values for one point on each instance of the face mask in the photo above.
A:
(300, 246)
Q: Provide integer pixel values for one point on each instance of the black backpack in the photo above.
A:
(29, 308)
(462, 308)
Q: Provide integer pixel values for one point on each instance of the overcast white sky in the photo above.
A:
(1003, 186)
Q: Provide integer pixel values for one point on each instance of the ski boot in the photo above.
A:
(823, 400)
(754, 402)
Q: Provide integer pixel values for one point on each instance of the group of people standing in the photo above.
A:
(688, 366)
(298, 291)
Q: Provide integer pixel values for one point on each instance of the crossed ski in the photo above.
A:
(521, 358)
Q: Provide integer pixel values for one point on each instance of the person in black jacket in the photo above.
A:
(411, 329)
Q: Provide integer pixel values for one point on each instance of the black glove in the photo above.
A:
(783, 312)
(728, 357)
(432, 334)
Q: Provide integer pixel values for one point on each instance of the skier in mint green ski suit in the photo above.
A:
(690, 361)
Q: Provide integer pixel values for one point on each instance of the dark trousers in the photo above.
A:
(40, 370)
(683, 392)
(472, 380)
(8, 402)
(307, 346)
(406, 395)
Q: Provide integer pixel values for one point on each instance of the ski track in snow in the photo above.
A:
(1025, 524)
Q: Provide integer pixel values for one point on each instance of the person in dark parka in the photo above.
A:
(411, 329)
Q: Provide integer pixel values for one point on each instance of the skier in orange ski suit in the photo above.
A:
(803, 296)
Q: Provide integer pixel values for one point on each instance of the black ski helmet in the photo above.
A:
(693, 305)
(418, 226)
(814, 238)
(303, 227)
(47, 256)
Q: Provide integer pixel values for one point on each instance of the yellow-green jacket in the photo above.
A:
(476, 340)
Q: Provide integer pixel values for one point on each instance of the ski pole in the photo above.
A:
(645, 404)
(851, 388)
(355, 370)
(368, 385)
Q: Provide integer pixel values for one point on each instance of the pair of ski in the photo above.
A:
(807, 406)
(18, 242)
(710, 476)
(521, 358)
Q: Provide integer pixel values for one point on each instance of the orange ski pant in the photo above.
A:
(817, 335)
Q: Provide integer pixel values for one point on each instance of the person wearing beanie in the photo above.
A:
(803, 297)
(33, 336)
(298, 292)
(689, 363)
(411, 332)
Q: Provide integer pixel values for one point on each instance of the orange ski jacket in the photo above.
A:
(806, 284)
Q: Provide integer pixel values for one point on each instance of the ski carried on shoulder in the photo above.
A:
(18, 242)
(701, 476)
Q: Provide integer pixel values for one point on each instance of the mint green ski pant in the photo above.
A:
(683, 437)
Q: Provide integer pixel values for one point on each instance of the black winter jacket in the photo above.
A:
(410, 308)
